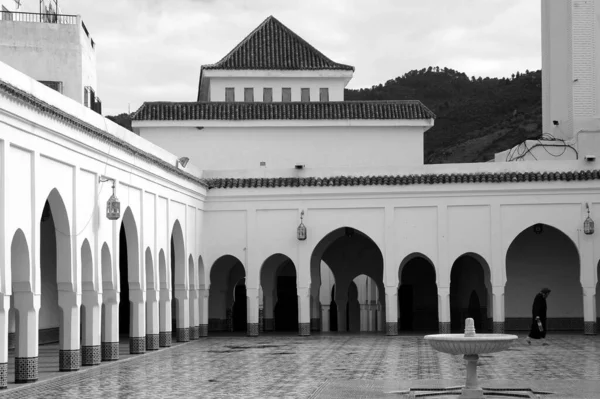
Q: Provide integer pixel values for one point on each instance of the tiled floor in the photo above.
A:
(325, 366)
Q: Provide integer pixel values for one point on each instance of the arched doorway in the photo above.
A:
(469, 282)
(227, 286)
(280, 304)
(543, 256)
(417, 295)
(179, 286)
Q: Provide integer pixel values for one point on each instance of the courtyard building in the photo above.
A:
(298, 211)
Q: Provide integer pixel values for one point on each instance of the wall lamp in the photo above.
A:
(588, 224)
(113, 206)
(183, 161)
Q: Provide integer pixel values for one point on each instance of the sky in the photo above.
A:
(152, 50)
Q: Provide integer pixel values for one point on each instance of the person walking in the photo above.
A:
(538, 322)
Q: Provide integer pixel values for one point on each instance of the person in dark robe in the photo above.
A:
(538, 312)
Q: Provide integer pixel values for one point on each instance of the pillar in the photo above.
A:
(372, 316)
(444, 309)
(165, 333)
(69, 343)
(380, 317)
(203, 305)
(152, 320)
(110, 325)
(252, 312)
(4, 310)
(315, 311)
(391, 314)
(183, 315)
(364, 317)
(269, 305)
(589, 310)
(341, 314)
(194, 315)
(137, 322)
(325, 327)
(91, 350)
(498, 309)
(303, 311)
(27, 306)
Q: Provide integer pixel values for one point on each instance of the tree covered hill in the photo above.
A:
(476, 117)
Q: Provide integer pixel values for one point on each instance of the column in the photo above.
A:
(110, 325)
(372, 316)
(391, 314)
(589, 310)
(325, 318)
(194, 315)
(4, 310)
(380, 317)
(69, 353)
(444, 309)
(152, 320)
(303, 311)
(137, 322)
(364, 317)
(91, 350)
(269, 305)
(203, 305)
(341, 314)
(165, 334)
(315, 317)
(183, 315)
(498, 309)
(27, 306)
(252, 312)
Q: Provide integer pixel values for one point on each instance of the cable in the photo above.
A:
(519, 152)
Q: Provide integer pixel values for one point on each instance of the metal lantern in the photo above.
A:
(588, 224)
(301, 228)
(113, 206)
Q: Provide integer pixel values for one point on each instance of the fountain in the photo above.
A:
(471, 345)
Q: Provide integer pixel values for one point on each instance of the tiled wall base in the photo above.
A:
(165, 338)
(589, 328)
(391, 328)
(183, 335)
(203, 330)
(498, 327)
(315, 324)
(11, 340)
(137, 345)
(194, 333)
(91, 355)
(110, 351)
(304, 329)
(444, 327)
(269, 324)
(3, 375)
(252, 329)
(69, 359)
(553, 324)
(152, 342)
(26, 369)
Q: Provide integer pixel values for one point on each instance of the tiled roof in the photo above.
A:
(274, 46)
(406, 180)
(50, 110)
(240, 111)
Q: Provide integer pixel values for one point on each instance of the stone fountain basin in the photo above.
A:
(458, 344)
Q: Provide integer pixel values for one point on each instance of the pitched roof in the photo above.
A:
(403, 180)
(274, 46)
(241, 111)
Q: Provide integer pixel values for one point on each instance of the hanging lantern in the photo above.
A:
(301, 228)
(588, 224)
(113, 206)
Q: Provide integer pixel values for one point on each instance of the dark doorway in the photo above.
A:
(124, 306)
(239, 307)
(406, 307)
(286, 309)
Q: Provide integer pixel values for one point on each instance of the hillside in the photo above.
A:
(476, 117)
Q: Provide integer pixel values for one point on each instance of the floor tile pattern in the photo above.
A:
(322, 366)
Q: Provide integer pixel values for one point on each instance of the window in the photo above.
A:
(249, 95)
(229, 94)
(286, 94)
(305, 95)
(324, 94)
(268, 95)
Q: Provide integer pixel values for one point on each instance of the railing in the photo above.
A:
(62, 19)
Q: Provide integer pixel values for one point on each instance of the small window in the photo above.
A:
(305, 95)
(324, 94)
(268, 95)
(229, 94)
(249, 95)
(286, 94)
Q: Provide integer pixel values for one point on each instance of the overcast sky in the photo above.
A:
(150, 50)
